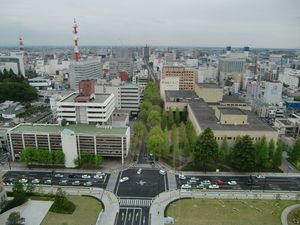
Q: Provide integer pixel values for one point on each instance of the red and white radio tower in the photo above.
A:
(21, 46)
(76, 52)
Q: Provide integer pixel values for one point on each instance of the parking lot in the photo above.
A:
(57, 178)
(239, 183)
(147, 184)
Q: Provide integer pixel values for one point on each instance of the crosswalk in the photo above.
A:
(135, 202)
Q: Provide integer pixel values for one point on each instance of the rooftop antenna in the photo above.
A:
(76, 51)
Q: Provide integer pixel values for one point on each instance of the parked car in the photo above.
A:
(181, 176)
(8, 180)
(213, 186)
(48, 181)
(194, 178)
(100, 173)
(88, 183)
(72, 176)
(85, 176)
(206, 182)
(35, 181)
(218, 182)
(186, 186)
(23, 181)
(162, 172)
(59, 175)
(139, 171)
(260, 177)
(98, 176)
(63, 182)
(232, 182)
(76, 183)
(124, 179)
(200, 186)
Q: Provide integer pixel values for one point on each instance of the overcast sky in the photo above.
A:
(256, 23)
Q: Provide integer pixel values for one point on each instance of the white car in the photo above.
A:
(98, 176)
(48, 181)
(186, 186)
(124, 179)
(206, 182)
(213, 186)
(59, 175)
(232, 182)
(23, 181)
(181, 176)
(100, 173)
(63, 182)
(139, 171)
(35, 181)
(85, 176)
(162, 172)
(194, 178)
(88, 183)
(260, 177)
(76, 183)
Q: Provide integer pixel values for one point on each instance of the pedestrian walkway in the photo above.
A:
(172, 181)
(135, 202)
(112, 181)
(285, 213)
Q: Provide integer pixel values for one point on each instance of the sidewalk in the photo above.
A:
(162, 200)
(285, 213)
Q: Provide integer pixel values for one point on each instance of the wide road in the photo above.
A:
(57, 178)
(246, 182)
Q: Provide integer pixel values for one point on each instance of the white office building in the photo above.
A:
(14, 61)
(84, 70)
(41, 83)
(272, 92)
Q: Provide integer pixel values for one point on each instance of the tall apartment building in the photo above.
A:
(86, 106)
(177, 78)
(130, 98)
(73, 140)
(146, 53)
(84, 70)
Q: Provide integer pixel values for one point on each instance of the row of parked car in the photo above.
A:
(195, 182)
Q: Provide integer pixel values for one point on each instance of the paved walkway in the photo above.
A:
(33, 211)
(162, 200)
(172, 181)
(285, 213)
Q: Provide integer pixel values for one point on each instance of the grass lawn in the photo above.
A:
(227, 212)
(294, 217)
(86, 213)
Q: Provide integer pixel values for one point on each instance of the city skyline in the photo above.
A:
(268, 24)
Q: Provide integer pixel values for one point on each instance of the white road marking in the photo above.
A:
(119, 182)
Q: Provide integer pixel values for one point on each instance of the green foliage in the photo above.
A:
(62, 204)
(15, 88)
(143, 115)
(186, 148)
(191, 134)
(164, 120)
(223, 150)
(30, 188)
(19, 195)
(146, 105)
(263, 155)
(15, 218)
(177, 117)
(271, 148)
(155, 142)
(139, 129)
(166, 147)
(277, 156)
(182, 135)
(152, 93)
(32, 155)
(206, 148)
(170, 119)
(154, 118)
(18, 187)
(243, 154)
(294, 154)
(88, 159)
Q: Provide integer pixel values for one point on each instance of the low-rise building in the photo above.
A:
(178, 100)
(73, 140)
(41, 83)
(209, 92)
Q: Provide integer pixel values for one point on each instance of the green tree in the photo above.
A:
(294, 154)
(263, 156)
(223, 150)
(146, 105)
(28, 155)
(15, 218)
(182, 135)
(143, 115)
(164, 120)
(166, 147)
(243, 154)
(30, 188)
(186, 148)
(58, 157)
(170, 119)
(139, 129)
(154, 118)
(18, 187)
(177, 117)
(191, 134)
(206, 148)
(271, 149)
(277, 156)
(155, 141)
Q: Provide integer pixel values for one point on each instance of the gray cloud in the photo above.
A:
(268, 23)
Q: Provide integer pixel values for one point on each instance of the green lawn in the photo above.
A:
(294, 217)
(227, 212)
(86, 213)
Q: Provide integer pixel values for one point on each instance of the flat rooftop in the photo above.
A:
(171, 96)
(77, 128)
(208, 85)
(99, 98)
(232, 99)
(205, 117)
(231, 111)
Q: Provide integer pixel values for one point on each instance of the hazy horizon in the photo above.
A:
(190, 23)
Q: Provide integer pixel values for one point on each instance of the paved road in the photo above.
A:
(56, 178)
(133, 216)
(243, 182)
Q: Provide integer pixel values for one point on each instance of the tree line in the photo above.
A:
(15, 87)
(37, 156)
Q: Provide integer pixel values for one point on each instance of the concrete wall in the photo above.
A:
(69, 147)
